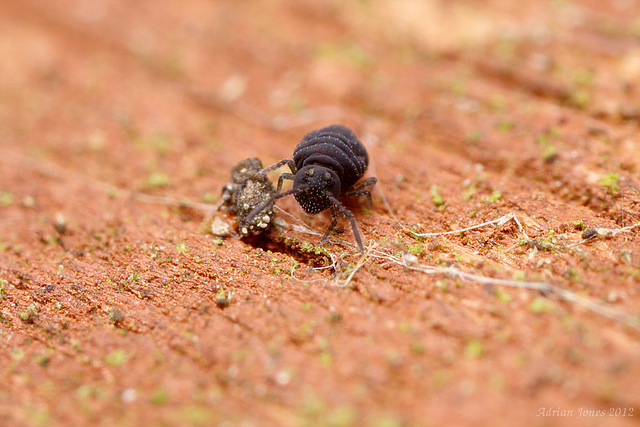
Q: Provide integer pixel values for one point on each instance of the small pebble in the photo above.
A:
(129, 395)
(220, 227)
(589, 234)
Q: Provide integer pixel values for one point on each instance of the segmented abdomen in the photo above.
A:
(337, 148)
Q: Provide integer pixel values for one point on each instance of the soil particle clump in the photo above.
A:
(247, 190)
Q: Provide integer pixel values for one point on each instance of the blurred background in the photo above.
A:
(97, 75)
(470, 110)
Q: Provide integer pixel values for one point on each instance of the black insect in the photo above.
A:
(327, 164)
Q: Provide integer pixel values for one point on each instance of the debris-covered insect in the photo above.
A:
(247, 190)
(327, 164)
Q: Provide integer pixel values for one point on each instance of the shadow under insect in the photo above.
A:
(248, 189)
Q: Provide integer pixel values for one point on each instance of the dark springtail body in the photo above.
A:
(327, 164)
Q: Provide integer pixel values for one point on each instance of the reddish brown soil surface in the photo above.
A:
(117, 311)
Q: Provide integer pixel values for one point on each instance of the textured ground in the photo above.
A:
(118, 308)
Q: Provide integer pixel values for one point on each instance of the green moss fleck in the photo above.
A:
(157, 180)
(160, 396)
(116, 358)
(494, 197)
(541, 305)
(610, 182)
(29, 314)
(502, 296)
(6, 198)
(474, 349)
(436, 197)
